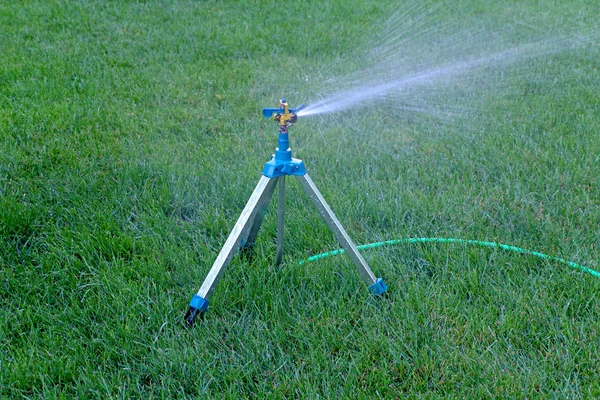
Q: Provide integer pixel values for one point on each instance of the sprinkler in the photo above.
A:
(245, 230)
(283, 115)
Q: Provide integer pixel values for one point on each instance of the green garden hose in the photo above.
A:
(459, 241)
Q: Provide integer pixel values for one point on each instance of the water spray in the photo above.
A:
(245, 230)
(415, 61)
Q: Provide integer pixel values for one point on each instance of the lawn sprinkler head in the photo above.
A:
(284, 115)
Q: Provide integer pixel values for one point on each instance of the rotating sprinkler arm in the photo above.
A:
(284, 115)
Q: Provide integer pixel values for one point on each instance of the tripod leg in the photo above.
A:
(264, 189)
(280, 222)
(376, 285)
(254, 225)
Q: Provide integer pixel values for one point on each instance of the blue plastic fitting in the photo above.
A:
(378, 288)
(283, 151)
(197, 306)
(199, 303)
(282, 162)
(275, 168)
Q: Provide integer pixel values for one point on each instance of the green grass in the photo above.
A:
(131, 137)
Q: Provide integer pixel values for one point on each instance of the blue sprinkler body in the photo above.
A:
(281, 162)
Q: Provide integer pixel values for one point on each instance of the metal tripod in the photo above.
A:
(248, 224)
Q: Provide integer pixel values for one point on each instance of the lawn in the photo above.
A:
(131, 136)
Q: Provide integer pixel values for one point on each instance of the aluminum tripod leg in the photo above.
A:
(337, 229)
(259, 199)
(280, 222)
(254, 226)
(248, 242)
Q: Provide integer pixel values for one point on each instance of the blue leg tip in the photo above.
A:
(197, 306)
(199, 303)
(378, 288)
